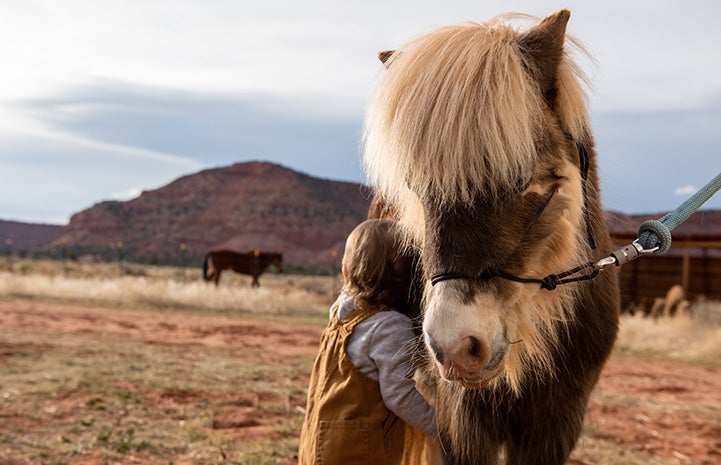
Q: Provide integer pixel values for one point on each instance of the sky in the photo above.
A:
(100, 100)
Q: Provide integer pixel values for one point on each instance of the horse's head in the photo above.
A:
(471, 136)
(277, 262)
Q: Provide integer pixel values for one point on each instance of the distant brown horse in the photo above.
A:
(479, 141)
(251, 263)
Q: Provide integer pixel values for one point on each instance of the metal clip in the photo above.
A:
(641, 250)
(624, 255)
(604, 262)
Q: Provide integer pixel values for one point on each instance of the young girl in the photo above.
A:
(361, 392)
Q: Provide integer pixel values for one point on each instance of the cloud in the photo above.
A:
(305, 133)
(108, 140)
(685, 191)
(643, 156)
(129, 194)
(46, 178)
(110, 137)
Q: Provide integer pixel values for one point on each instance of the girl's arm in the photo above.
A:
(391, 344)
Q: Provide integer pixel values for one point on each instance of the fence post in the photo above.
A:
(686, 270)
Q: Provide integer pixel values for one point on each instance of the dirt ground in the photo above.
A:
(664, 411)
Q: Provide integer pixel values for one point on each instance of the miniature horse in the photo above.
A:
(251, 263)
(478, 139)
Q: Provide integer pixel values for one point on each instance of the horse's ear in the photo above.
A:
(384, 56)
(543, 46)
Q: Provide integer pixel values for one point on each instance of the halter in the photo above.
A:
(551, 281)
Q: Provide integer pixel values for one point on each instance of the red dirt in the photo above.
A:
(660, 409)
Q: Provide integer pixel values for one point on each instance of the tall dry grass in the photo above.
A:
(170, 288)
(691, 337)
(694, 336)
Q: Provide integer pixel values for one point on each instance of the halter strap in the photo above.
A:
(551, 281)
(435, 279)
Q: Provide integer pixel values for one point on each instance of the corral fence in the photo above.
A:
(694, 263)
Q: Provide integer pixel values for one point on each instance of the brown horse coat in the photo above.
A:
(250, 263)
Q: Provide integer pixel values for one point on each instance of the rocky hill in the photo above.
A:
(20, 236)
(246, 206)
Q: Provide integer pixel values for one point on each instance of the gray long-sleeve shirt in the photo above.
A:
(381, 347)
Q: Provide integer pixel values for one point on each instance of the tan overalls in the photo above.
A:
(346, 421)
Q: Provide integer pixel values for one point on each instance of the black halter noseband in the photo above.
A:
(551, 281)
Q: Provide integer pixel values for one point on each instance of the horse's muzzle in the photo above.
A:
(470, 362)
(466, 338)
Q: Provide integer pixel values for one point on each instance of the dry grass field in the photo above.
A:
(147, 365)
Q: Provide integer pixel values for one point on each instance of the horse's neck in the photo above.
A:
(265, 261)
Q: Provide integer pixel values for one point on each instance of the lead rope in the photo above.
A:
(654, 236)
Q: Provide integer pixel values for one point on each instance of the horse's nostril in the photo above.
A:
(474, 347)
(435, 350)
(469, 356)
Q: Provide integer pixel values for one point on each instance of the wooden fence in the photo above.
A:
(694, 262)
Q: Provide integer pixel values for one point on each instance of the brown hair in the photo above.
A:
(378, 269)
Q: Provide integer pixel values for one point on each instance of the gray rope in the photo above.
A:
(657, 233)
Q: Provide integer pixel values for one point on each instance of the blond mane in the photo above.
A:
(457, 115)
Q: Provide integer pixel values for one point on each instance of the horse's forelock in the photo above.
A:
(457, 114)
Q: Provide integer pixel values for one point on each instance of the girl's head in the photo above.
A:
(377, 269)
